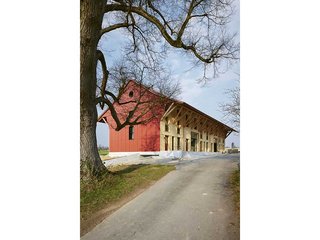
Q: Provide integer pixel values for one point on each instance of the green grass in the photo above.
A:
(235, 185)
(102, 192)
(103, 152)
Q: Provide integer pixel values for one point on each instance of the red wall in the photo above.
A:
(146, 137)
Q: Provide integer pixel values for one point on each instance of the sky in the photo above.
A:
(205, 98)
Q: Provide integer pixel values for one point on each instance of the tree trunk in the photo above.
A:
(91, 15)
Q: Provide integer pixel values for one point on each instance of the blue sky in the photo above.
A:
(205, 98)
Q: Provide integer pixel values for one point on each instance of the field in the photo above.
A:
(103, 152)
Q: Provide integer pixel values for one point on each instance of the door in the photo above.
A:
(215, 147)
(166, 140)
(172, 144)
(193, 144)
(194, 141)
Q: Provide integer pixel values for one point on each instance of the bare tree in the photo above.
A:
(196, 27)
(231, 109)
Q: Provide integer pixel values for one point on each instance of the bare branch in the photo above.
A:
(192, 6)
(105, 72)
(231, 109)
(165, 23)
(177, 43)
(111, 108)
(114, 27)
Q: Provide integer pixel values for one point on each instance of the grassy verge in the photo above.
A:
(113, 188)
(235, 185)
(103, 152)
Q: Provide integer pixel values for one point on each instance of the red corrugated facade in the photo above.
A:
(146, 137)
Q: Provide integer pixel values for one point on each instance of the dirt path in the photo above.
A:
(193, 202)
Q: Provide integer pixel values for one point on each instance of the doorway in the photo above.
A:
(172, 144)
(215, 147)
(194, 139)
(166, 140)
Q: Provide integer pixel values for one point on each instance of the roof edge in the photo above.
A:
(197, 110)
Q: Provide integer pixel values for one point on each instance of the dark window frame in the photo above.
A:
(131, 133)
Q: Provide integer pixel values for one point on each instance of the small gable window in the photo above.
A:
(131, 94)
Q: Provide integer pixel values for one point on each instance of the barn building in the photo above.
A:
(175, 125)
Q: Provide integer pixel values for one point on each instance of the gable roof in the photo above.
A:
(179, 103)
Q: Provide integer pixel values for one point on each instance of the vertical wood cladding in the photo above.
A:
(145, 138)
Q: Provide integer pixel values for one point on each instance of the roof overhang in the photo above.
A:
(226, 127)
(101, 118)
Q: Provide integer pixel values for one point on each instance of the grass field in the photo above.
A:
(114, 187)
(235, 184)
(103, 152)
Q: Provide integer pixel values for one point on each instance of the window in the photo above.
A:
(178, 143)
(131, 94)
(201, 135)
(207, 136)
(131, 133)
(178, 128)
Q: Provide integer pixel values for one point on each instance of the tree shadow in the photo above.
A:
(128, 169)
